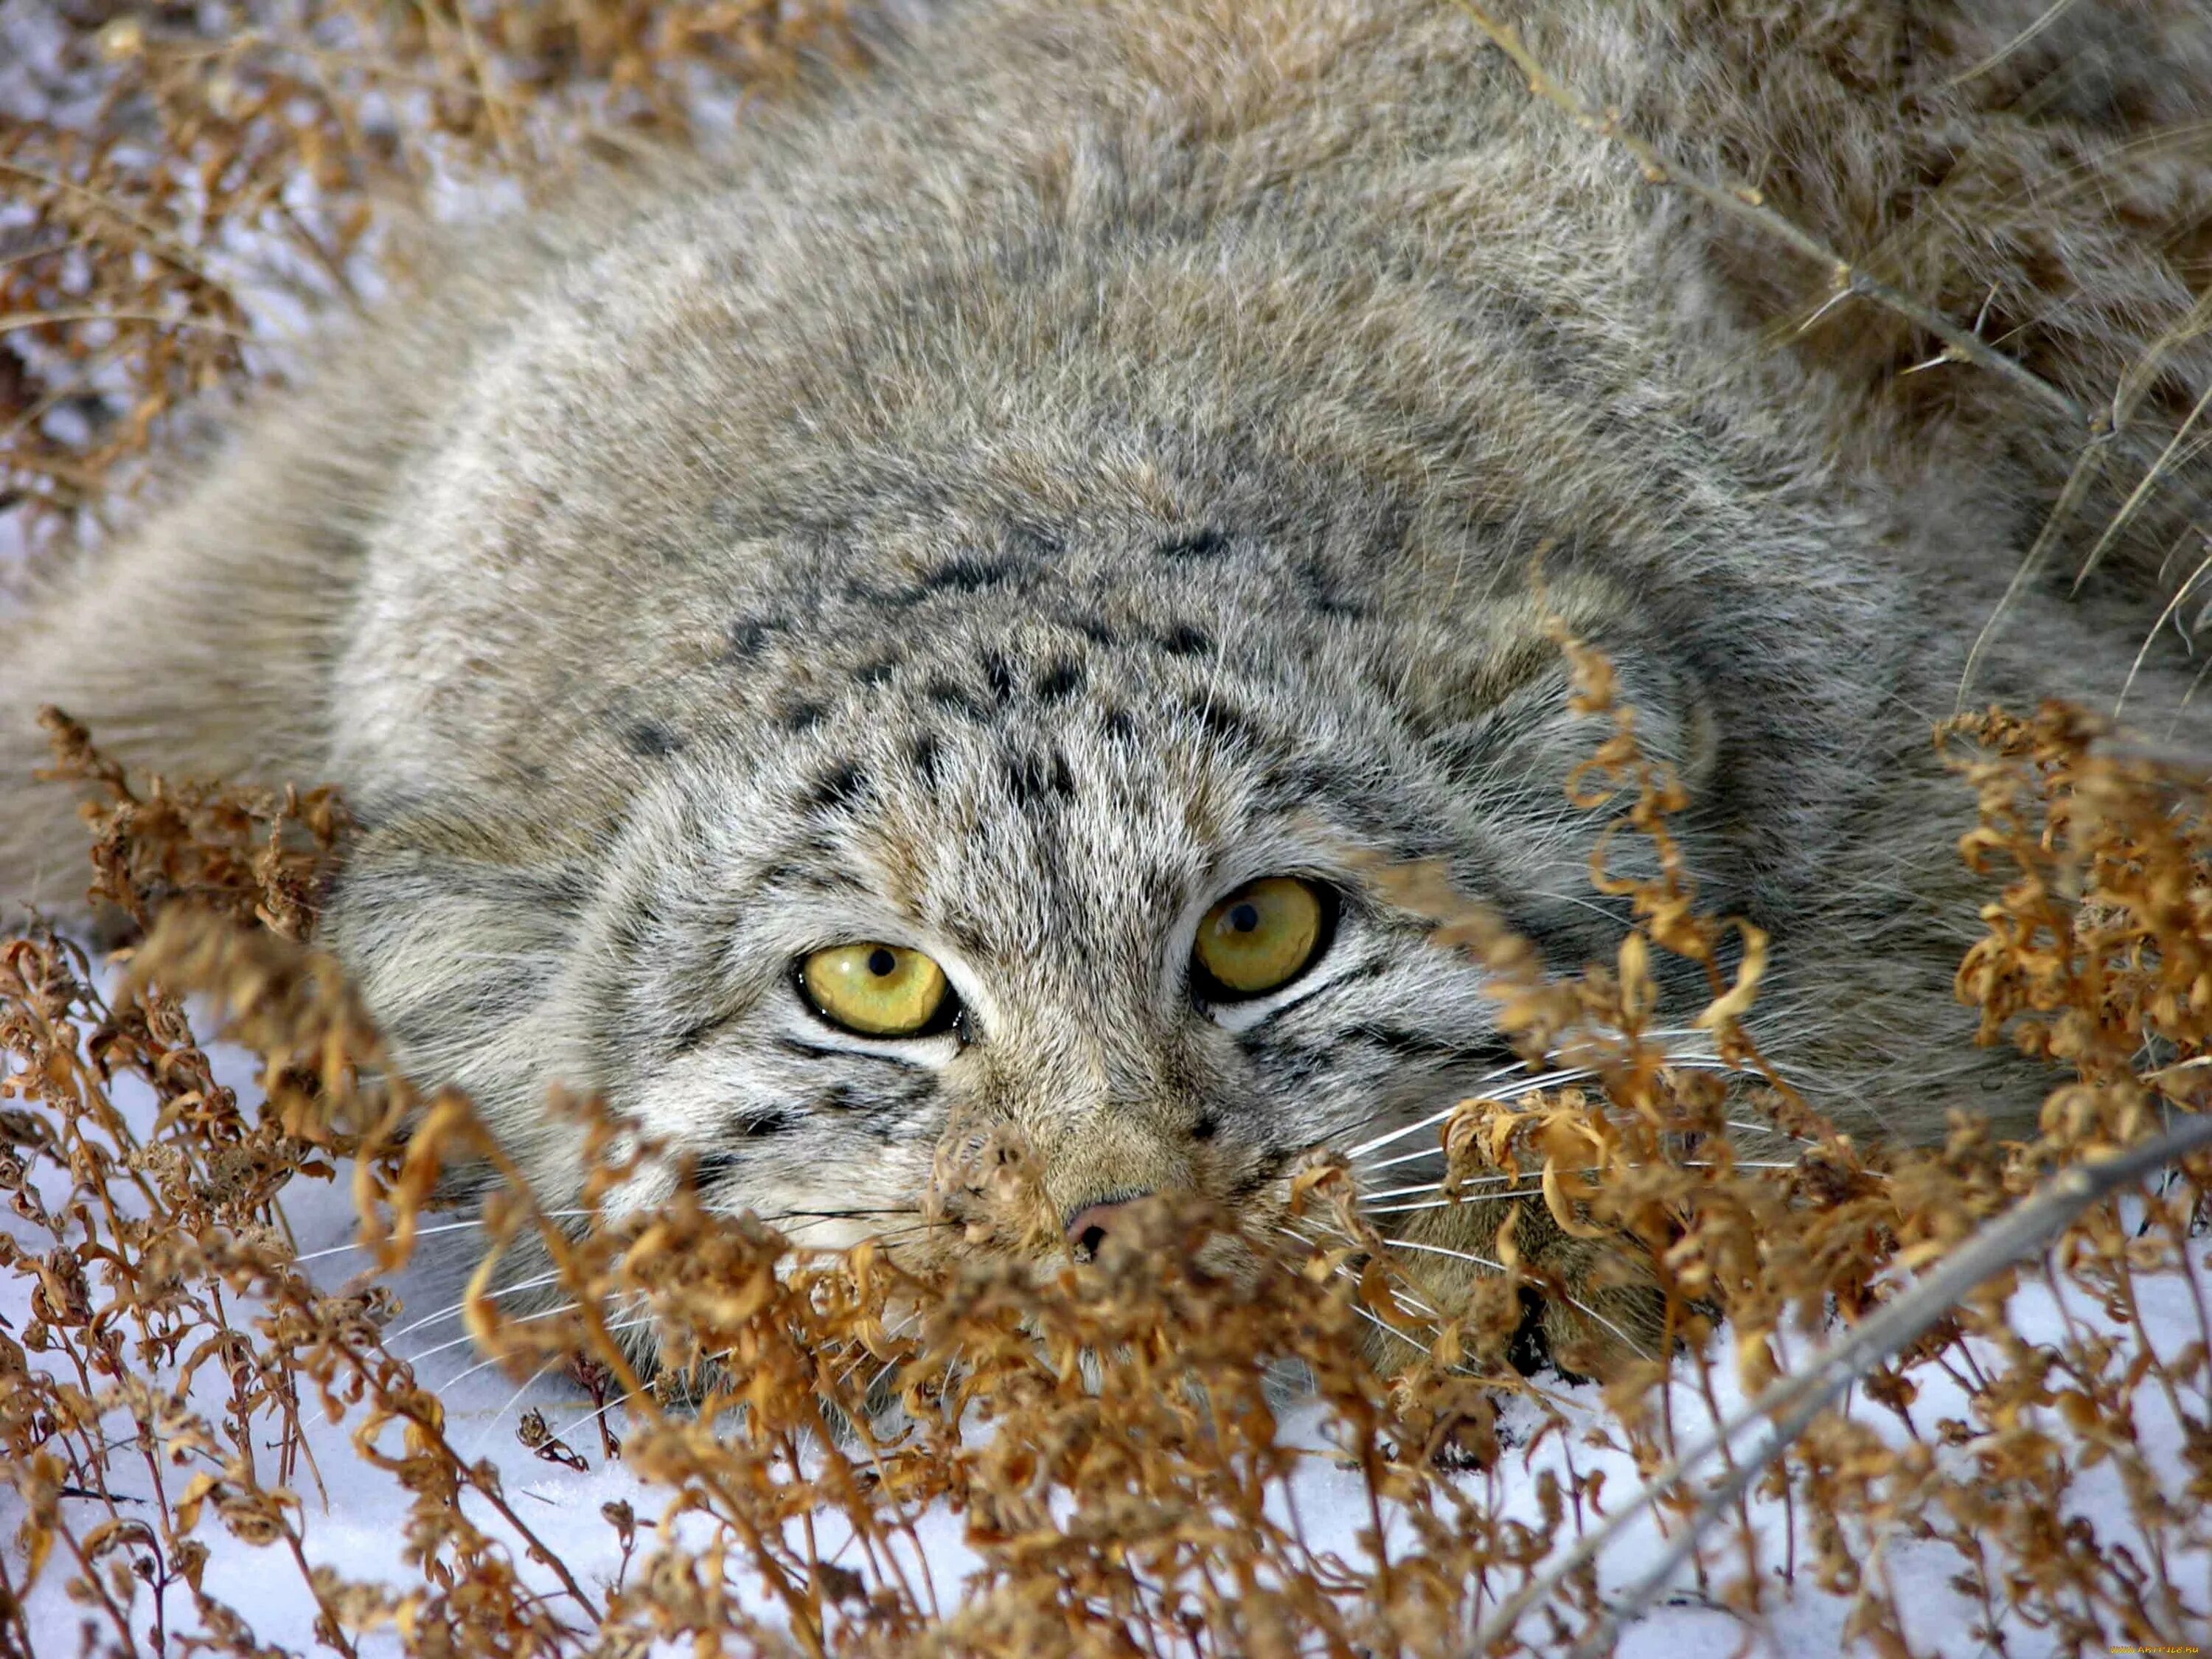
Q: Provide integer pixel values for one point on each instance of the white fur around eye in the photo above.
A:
(809, 1029)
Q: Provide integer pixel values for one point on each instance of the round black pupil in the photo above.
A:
(881, 962)
(1245, 917)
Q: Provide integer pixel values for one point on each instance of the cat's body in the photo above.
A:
(1134, 452)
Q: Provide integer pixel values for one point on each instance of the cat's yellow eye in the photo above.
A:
(876, 990)
(1261, 936)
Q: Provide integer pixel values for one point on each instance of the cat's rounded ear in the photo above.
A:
(1493, 691)
(456, 929)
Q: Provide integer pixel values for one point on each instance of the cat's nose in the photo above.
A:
(1090, 1227)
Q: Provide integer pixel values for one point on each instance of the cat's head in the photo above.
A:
(1050, 868)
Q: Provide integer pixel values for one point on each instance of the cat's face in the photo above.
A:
(1078, 881)
(1033, 753)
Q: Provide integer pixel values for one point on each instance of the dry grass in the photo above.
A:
(1130, 1495)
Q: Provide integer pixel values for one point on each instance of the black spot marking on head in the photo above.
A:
(749, 635)
(1224, 723)
(1000, 673)
(1185, 640)
(1322, 593)
(1059, 681)
(839, 787)
(947, 694)
(1205, 543)
(967, 575)
(1208, 1127)
(755, 1125)
(1033, 779)
(800, 716)
(923, 754)
(649, 740)
(877, 672)
(1097, 629)
(837, 1098)
(1120, 724)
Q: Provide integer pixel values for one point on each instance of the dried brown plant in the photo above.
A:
(198, 162)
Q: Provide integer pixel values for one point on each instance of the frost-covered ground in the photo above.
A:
(355, 1521)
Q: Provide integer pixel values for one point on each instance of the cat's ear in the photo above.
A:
(457, 929)
(1498, 709)
(1494, 693)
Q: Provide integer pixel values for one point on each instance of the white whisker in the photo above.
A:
(1445, 1203)
(1367, 1199)
(1575, 1302)
(597, 1411)
(1520, 1086)
(497, 1417)
(458, 1341)
(492, 1294)
(423, 1232)
(1514, 1090)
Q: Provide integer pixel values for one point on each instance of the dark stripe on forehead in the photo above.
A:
(1325, 594)
(1061, 680)
(948, 693)
(1225, 724)
(1035, 779)
(839, 787)
(1193, 544)
(969, 575)
(649, 740)
(748, 636)
(922, 754)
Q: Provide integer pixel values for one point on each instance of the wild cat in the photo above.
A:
(921, 616)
